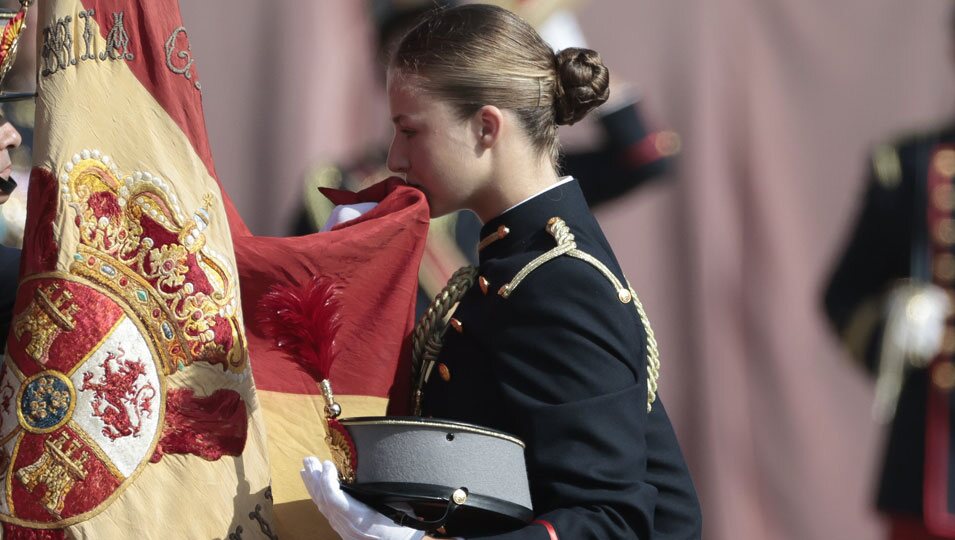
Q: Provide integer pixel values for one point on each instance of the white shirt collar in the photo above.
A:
(560, 181)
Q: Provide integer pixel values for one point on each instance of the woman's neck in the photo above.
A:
(512, 185)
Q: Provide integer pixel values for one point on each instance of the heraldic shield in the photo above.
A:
(83, 389)
(77, 422)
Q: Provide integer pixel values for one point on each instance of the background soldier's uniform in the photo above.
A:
(562, 364)
(905, 230)
(21, 114)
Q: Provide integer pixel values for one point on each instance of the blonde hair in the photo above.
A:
(475, 55)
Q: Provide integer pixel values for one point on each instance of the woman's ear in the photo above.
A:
(488, 123)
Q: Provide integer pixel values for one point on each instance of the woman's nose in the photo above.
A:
(396, 160)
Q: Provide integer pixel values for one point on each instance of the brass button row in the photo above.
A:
(943, 267)
(443, 370)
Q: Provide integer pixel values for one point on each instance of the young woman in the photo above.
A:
(549, 343)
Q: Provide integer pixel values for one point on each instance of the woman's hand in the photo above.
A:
(351, 519)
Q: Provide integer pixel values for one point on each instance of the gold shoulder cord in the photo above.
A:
(566, 245)
(430, 329)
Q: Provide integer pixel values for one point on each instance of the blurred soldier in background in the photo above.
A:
(628, 155)
(890, 299)
(9, 256)
(16, 127)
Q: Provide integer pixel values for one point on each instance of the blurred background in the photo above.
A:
(778, 105)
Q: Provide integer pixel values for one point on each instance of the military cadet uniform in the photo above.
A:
(550, 344)
(905, 230)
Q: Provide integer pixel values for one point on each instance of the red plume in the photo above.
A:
(303, 322)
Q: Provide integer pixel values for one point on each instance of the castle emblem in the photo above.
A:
(50, 314)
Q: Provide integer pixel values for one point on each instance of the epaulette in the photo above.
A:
(567, 245)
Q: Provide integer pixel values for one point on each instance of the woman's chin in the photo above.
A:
(435, 208)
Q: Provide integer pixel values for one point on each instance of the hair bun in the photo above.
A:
(583, 83)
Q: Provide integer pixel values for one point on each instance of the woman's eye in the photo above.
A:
(408, 132)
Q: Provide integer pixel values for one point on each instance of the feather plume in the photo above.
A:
(303, 322)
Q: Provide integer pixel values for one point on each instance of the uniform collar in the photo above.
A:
(522, 225)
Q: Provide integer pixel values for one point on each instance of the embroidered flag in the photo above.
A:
(127, 406)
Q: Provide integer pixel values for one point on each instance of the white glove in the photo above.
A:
(351, 519)
(916, 320)
(346, 212)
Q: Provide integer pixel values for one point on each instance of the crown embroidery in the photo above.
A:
(135, 240)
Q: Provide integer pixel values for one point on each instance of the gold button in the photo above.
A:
(945, 162)
(948, 341)
(456, 324)
(667, 143)
(459, 496)
(483, 283)
(945, 232)
(944, 267)
(943, 375)
(444, 372)
(624, 296)
(942, 197)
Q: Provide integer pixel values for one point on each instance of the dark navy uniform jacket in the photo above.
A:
(562, 364)
(890, 242)
(9, 274)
